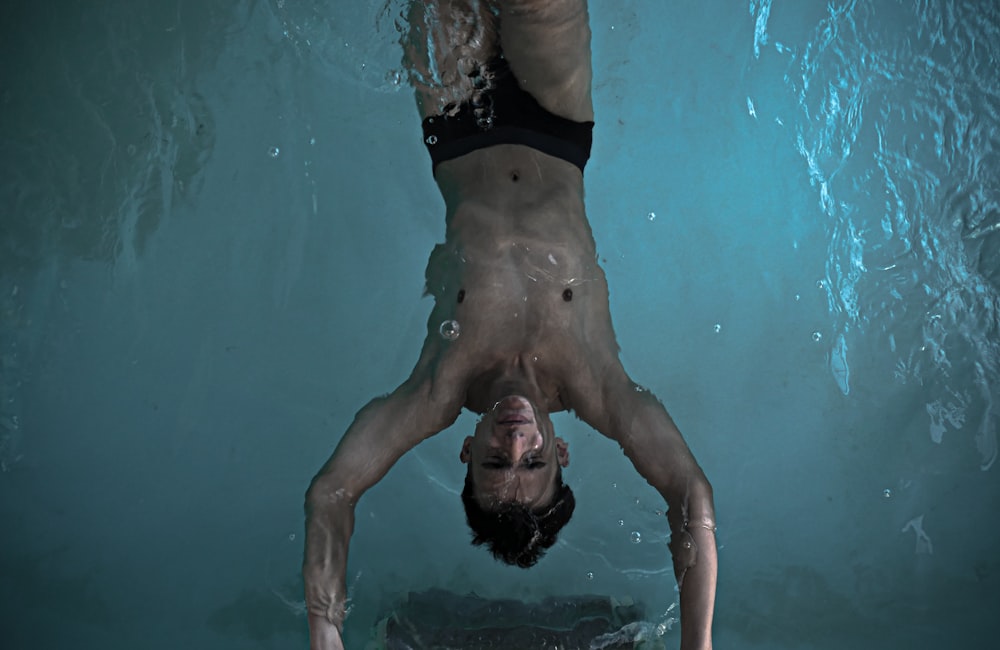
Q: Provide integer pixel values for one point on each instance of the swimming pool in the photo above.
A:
(216, 218)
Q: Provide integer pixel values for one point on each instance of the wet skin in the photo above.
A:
(512, 255)
(518, 271)
(513, 456)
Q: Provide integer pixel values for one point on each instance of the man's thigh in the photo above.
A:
(445, 42)
(547, 43)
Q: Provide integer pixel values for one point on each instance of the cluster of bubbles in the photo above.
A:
(481, 100)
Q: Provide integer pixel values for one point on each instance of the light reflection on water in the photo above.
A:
(898, 115)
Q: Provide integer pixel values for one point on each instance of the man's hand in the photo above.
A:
(323, 635)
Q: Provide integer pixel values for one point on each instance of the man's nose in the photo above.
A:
(517, 441)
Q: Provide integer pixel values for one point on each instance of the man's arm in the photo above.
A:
(634, 418)
(381, 433)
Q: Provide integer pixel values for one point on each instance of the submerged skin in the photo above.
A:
(518, 271)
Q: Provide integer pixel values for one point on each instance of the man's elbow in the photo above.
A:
(701, 504)
(325, 490)
(692, 525)
(692, 503)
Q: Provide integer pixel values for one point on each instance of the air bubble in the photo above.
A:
(817, 337)
(717, 328)
(273, 152)
(291, 537)
(590, 575)
(887, 493)
(449, 330)
(651, 216)
(432, 140)
(636, 537)
(621, 522)
(797, 297)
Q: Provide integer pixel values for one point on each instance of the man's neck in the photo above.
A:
(513, 378)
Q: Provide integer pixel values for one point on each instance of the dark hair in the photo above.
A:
(514, 533)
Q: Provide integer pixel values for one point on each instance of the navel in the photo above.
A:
(461, 295)
(567, 294)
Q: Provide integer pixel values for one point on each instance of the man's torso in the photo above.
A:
(518, 272)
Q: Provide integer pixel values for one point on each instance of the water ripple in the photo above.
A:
(899, 127)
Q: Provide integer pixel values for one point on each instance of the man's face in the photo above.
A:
(514, 455)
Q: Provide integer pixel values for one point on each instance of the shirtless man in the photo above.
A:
(520, 327)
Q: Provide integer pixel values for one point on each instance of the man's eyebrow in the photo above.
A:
(494, 464)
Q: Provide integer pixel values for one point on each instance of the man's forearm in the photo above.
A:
(697, 589)
(329, 524)
(696, 561)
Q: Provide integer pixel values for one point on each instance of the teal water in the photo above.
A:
(215, 220)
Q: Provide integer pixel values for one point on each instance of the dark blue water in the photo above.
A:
(215, 219)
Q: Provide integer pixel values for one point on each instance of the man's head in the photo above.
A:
(514, 497)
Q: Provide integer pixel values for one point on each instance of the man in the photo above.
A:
(521, 326)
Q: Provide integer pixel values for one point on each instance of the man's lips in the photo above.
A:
(514, 409)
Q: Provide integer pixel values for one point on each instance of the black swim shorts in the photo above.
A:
(500, 112)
